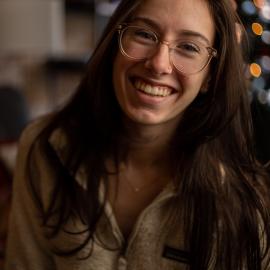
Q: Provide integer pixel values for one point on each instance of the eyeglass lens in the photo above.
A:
(188, 56)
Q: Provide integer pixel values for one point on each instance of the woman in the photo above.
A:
(150, 165)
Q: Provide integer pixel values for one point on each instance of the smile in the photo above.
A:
(160, 91)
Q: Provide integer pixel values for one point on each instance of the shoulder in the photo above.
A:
(29, 147)
(34, 171)
(33, 129)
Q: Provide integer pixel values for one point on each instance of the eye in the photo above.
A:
(189, 48)
(142, 35)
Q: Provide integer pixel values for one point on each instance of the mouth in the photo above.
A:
(152, 90)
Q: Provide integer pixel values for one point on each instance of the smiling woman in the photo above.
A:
(150, 165)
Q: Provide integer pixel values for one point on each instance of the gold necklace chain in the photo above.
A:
(135, 189)
(131, 185)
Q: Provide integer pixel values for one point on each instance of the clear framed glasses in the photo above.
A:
(188, 55)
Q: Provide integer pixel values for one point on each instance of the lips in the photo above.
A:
(152, 90)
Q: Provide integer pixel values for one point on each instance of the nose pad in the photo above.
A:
(160, 62)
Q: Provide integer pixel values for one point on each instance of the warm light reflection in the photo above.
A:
(257, 29)
(255, 70)
(259, 3)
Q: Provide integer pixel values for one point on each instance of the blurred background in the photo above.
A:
(44, 46)
(256, 19)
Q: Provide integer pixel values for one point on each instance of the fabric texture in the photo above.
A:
(152, 244)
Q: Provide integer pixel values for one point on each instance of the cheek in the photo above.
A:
(195, 83)
(192, 86)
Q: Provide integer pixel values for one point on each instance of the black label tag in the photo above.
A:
(176, 254)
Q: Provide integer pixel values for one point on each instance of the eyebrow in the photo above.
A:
(185, 32)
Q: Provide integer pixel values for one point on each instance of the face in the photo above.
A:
(153, 91)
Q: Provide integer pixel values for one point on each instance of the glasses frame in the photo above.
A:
(212, 52)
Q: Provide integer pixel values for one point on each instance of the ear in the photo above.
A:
(238, 30)
(234, 4)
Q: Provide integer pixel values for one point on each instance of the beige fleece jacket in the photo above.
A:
(151, 245)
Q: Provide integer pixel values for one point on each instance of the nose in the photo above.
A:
(160, 62)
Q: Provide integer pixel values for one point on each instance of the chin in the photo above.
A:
(150, 120)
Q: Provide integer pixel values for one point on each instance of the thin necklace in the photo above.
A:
(132, 186)
(135, 189)
(138, 189)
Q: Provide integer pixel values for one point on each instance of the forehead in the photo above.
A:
(176, 16)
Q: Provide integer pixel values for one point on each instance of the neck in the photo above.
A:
(148, 145)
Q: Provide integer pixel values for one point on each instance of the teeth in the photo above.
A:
(153, 90)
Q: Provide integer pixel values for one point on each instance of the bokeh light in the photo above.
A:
(266, 36)
(259, 83)
(265, 13)
(268, 99)
(259, 3)
(255, 70)
(248, 7)
(263, 96)
(265, 61)
(257, 29)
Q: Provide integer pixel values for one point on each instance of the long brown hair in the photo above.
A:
(222, 188)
